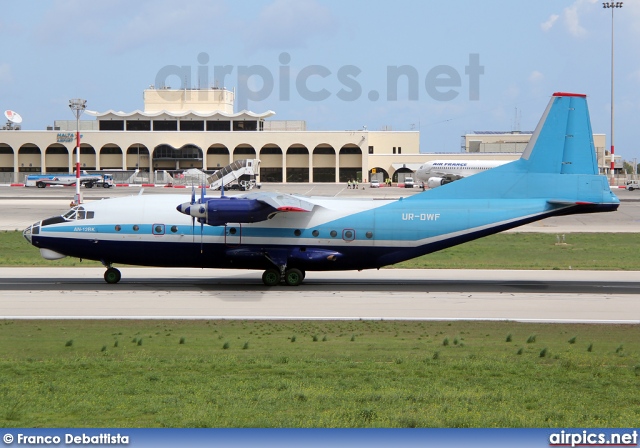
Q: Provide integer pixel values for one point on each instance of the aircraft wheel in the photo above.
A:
(112, 276)
(271, 277)
(293, 277)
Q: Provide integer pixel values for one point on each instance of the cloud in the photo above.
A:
(286, 24)
(536, 76)
(571, 18)
(546, 26)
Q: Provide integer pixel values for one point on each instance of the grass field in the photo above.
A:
(317, 374)
(502, 251)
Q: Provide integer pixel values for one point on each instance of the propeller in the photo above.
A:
(193, 218)
(202, 206)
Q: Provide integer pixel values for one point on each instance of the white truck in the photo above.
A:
(88, 180)
(633, 185)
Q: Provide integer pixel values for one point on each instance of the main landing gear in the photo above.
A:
(291, 277)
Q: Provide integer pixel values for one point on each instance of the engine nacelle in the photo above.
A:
(220, 211)
(434, 182)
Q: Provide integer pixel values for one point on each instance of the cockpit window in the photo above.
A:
(78, 213)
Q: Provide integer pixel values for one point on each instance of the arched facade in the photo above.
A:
(138, 157)
(401, 173)
(166, 157)
(111, 157)
(271, 163)
(56, 159)
(297, 163)
(29, 158)
(244, 151)
(218, 156)
(380, 174)
(350, 162)
(324, 163)
(6, 158)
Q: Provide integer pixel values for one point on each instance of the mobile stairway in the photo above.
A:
(232, 173)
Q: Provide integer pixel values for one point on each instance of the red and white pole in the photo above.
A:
(78, 200)
(77, 106)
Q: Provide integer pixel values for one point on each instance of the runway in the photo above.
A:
(389, 294)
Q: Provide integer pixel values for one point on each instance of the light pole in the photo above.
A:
(78, 106)
(612, 6)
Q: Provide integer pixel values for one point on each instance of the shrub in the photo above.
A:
(226, 345)
(543, 352)
(531, 339)
(572, 340)
(182, 341)
(508, 338)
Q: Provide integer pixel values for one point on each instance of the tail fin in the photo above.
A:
(563, 140)
(559, 163)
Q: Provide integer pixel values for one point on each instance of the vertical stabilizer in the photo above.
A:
(563, 140)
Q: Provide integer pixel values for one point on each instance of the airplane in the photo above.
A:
(67, 180)
(286, 236)
(440, 172)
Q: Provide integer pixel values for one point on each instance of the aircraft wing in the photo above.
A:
(282, 202)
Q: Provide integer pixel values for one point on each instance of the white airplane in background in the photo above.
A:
(440, 172)
(288, 235)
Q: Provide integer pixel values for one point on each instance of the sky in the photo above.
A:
(441, 67)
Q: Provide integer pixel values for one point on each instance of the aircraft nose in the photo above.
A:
(31, 230)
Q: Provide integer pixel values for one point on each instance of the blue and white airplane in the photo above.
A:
(288, 235)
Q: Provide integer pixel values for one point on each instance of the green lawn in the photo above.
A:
(317, 374)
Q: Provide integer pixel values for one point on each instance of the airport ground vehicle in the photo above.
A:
(375, 183)
(408, 182)
(633, 185)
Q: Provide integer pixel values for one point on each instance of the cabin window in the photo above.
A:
(333, 233)
(174, 229)
(348, 235)
(118, 228)
(136, 228)
(90, 215)
(232, 231)
(297, 232)
(315, 233)
(369, 235)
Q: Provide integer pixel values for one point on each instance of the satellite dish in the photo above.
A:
(13, 117)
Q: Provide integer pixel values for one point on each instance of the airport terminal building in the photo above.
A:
(198, 128)
(183, 129)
